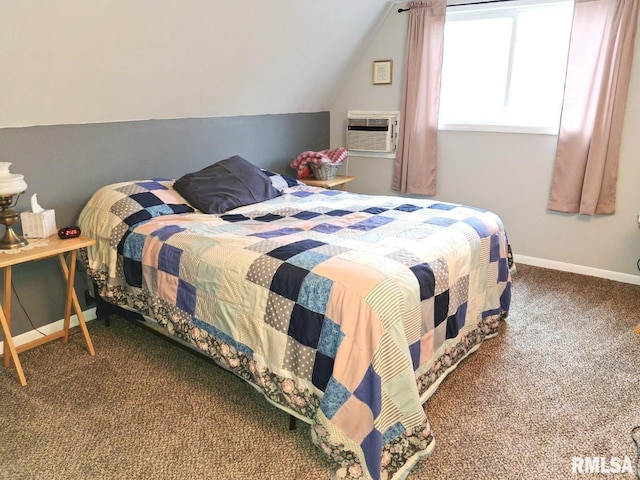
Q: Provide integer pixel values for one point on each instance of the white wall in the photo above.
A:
(507, 173)
(79, 61)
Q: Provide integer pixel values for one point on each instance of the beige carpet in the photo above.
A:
(562, 380)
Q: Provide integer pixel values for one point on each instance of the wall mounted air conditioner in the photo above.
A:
(372, 131)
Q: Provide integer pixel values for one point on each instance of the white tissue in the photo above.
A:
(35, 208)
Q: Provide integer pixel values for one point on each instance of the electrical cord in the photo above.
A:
(15, 292)
(24, 310)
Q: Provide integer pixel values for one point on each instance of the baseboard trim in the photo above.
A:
(572, 268)
(53, 327)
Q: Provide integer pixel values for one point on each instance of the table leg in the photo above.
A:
(6, 307)
(72, 300)
(8, 344)
(9, 350)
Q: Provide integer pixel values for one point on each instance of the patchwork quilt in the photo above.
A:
(345, 310)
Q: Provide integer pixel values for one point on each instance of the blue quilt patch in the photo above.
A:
(370, 391)
(305, 326)
(326, 228)
(287, 251)
(306, 215)
(277, 233)
(441, 221)
(407, 208)
(371, 223)
(314, 292)
(322, 368)
(169, 259)
(270, 217)
(478, 226)
(186, 297)
(167, 232)
(334, 397)
(330, 338)
(443, 206)
(426, 280)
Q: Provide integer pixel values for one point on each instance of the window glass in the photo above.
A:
(504, 65)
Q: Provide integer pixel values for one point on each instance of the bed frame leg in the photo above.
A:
(292, 422)
(102, 310)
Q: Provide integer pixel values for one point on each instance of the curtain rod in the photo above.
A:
(400, 10)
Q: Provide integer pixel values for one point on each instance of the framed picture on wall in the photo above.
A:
(382, 72)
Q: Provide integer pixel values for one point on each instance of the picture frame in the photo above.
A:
(382, 72)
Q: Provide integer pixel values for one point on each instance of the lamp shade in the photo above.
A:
(10, 183)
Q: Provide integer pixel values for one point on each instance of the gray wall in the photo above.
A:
(509, 173)
(65, 164)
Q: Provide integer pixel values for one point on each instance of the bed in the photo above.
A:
(344, 310)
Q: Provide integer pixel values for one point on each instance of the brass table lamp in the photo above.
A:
(11, 186)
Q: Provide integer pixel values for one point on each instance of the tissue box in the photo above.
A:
(38, 225)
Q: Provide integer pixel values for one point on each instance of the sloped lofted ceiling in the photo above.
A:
(73, 61)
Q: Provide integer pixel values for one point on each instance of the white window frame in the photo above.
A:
(497, 9)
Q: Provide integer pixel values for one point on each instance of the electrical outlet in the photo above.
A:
(88, 299)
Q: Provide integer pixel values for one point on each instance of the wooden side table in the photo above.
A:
(55, 246)
(338, 181)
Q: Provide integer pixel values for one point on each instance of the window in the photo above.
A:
(504, 66)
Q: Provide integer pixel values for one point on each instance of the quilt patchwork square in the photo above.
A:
(262, 270)
(278, 312)
(305, 326)
(299, 358)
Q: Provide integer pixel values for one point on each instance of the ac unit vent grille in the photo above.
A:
(367, 141)
(369, 122)
(372, 131)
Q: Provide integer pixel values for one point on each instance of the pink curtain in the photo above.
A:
(415, 166)
(599, 66)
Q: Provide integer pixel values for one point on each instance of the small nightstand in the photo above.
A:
(53, 247)
(337, 181)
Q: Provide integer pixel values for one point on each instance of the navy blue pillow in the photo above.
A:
(227, 184)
